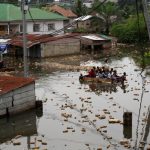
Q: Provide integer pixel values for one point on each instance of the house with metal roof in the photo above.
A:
(45, 45)
(91, 23)
(95, 42)
(38, 21)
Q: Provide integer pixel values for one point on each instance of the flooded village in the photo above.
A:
(43, 103)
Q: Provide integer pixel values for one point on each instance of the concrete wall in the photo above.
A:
(60, 47)
(44, 27)
(84, 24)
(18, 100)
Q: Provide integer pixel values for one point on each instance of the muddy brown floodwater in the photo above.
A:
(82, 116)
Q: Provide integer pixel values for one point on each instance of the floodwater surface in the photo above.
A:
(77, 116)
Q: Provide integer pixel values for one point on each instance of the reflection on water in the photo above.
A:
(62, 93)
(127, 131)
(23, 124)
(99, 88)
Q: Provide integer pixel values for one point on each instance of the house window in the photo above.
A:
(36, 28)
(51, 26)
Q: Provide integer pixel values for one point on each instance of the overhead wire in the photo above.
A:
(138, 22)
(70, 24)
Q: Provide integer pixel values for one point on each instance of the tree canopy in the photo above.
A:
(129, 31)
(108, 11)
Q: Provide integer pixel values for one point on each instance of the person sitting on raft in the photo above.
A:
(117, 78)
(91, 73)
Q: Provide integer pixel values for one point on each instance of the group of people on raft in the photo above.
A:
(103, 72)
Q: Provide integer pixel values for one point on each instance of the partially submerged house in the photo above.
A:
(46, 46)
(90, 23)
(93, 42)
(17, 94)
(38, 21)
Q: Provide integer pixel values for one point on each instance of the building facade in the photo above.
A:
(37, 21)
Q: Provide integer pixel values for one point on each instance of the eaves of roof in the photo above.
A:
(36, 39)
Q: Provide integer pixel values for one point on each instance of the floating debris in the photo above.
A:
(66, 115)
(16, 143)
(124, 141)
(114, 121)
(65, 131)
(108, 146)
(83, 130)
(44, 143)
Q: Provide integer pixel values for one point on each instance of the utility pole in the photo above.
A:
(24, 8)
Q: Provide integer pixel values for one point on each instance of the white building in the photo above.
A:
(38, 21)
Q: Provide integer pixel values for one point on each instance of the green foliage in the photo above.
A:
(80, 30)
(106, 11)
(147, 54)
(129, 32)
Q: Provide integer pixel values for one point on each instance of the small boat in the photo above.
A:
(102, 80)
(98, 80)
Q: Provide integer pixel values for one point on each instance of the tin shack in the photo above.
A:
(17, 94)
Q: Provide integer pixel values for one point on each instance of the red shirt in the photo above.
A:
(92, 73)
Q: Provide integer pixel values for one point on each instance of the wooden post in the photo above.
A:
(127, 118)
(39, 108)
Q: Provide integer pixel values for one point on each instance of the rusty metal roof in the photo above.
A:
(9, 83)
(60, 10)
(33, 39)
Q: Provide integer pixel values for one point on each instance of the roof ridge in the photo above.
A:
(10, 12)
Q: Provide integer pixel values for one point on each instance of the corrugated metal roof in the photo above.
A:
(94, 37)
(9, 83)
(83, 18)
(9, 12)
(36, 39)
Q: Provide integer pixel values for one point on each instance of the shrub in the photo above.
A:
(129, 32)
